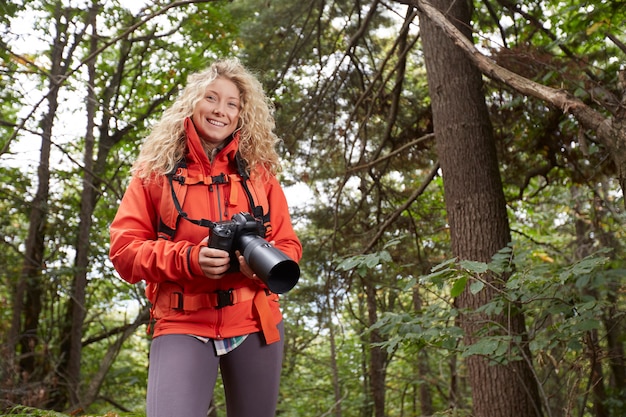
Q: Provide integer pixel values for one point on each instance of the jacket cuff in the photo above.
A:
(193, 256)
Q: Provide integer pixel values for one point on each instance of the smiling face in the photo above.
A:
(216, 115)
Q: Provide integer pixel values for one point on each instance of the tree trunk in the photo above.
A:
(611, 317)
(614, 337)
(27, 301)
(334, 367)
(76, 304)
(68, 369)
(476, 209)
(423, 369)
(377, 356)
(593, 349)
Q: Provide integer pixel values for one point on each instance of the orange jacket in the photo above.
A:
(183, 299)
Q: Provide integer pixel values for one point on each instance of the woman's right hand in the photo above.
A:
(214, 262)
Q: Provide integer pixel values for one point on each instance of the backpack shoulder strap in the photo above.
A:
(168, 211)
(172, 198)
(244, 173)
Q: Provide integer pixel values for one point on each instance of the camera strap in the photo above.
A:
(200, 222)
(242, 170)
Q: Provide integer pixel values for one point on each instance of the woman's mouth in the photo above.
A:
(216, 123)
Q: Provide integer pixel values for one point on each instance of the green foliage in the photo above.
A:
(363, 263)
(22, 411)
(563, 305)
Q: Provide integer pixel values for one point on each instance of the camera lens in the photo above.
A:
(278, 271)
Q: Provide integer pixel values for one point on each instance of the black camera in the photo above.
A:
(243, 233)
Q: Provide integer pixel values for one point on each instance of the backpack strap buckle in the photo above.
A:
(224, 298)
(177, 300)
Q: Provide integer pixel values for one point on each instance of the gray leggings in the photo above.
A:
(183, 372)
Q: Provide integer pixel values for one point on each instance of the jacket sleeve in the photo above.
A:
(282, 232)
(136, 252)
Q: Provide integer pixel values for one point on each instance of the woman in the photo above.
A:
(211, 157)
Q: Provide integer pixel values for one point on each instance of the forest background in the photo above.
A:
(455, 169)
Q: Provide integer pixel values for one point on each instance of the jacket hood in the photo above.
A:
(197, 160)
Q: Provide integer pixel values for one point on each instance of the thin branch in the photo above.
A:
(617, 42)
(391, 154)
(431, 176)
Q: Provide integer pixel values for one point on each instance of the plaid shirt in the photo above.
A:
(223, 346)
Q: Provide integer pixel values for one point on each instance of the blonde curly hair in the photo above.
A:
(167, 144)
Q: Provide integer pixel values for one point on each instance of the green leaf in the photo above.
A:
(475, 267)
(485, 346)
(349, 263)
(458, 287)
(476, 287)
(587, 325)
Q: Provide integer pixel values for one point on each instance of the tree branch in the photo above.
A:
(431, 176)
(608, 131)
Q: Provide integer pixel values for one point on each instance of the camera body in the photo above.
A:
(245, 234)
(226, 235)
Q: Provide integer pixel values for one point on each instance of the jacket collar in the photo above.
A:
(197, 159)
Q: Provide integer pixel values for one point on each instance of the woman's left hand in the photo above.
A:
(245, 268)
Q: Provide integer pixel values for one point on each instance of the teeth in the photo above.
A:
(216, 123)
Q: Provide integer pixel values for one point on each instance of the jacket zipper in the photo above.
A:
(218, 324)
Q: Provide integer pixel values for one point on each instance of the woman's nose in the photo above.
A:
(219, 108)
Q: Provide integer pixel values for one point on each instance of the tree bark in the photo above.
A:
(423, 368)
(76, 305)
(333, 356)
(476, 210)
(377, 356)
(27, 298)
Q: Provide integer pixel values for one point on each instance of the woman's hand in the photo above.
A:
(245, 268)
(214, 262)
